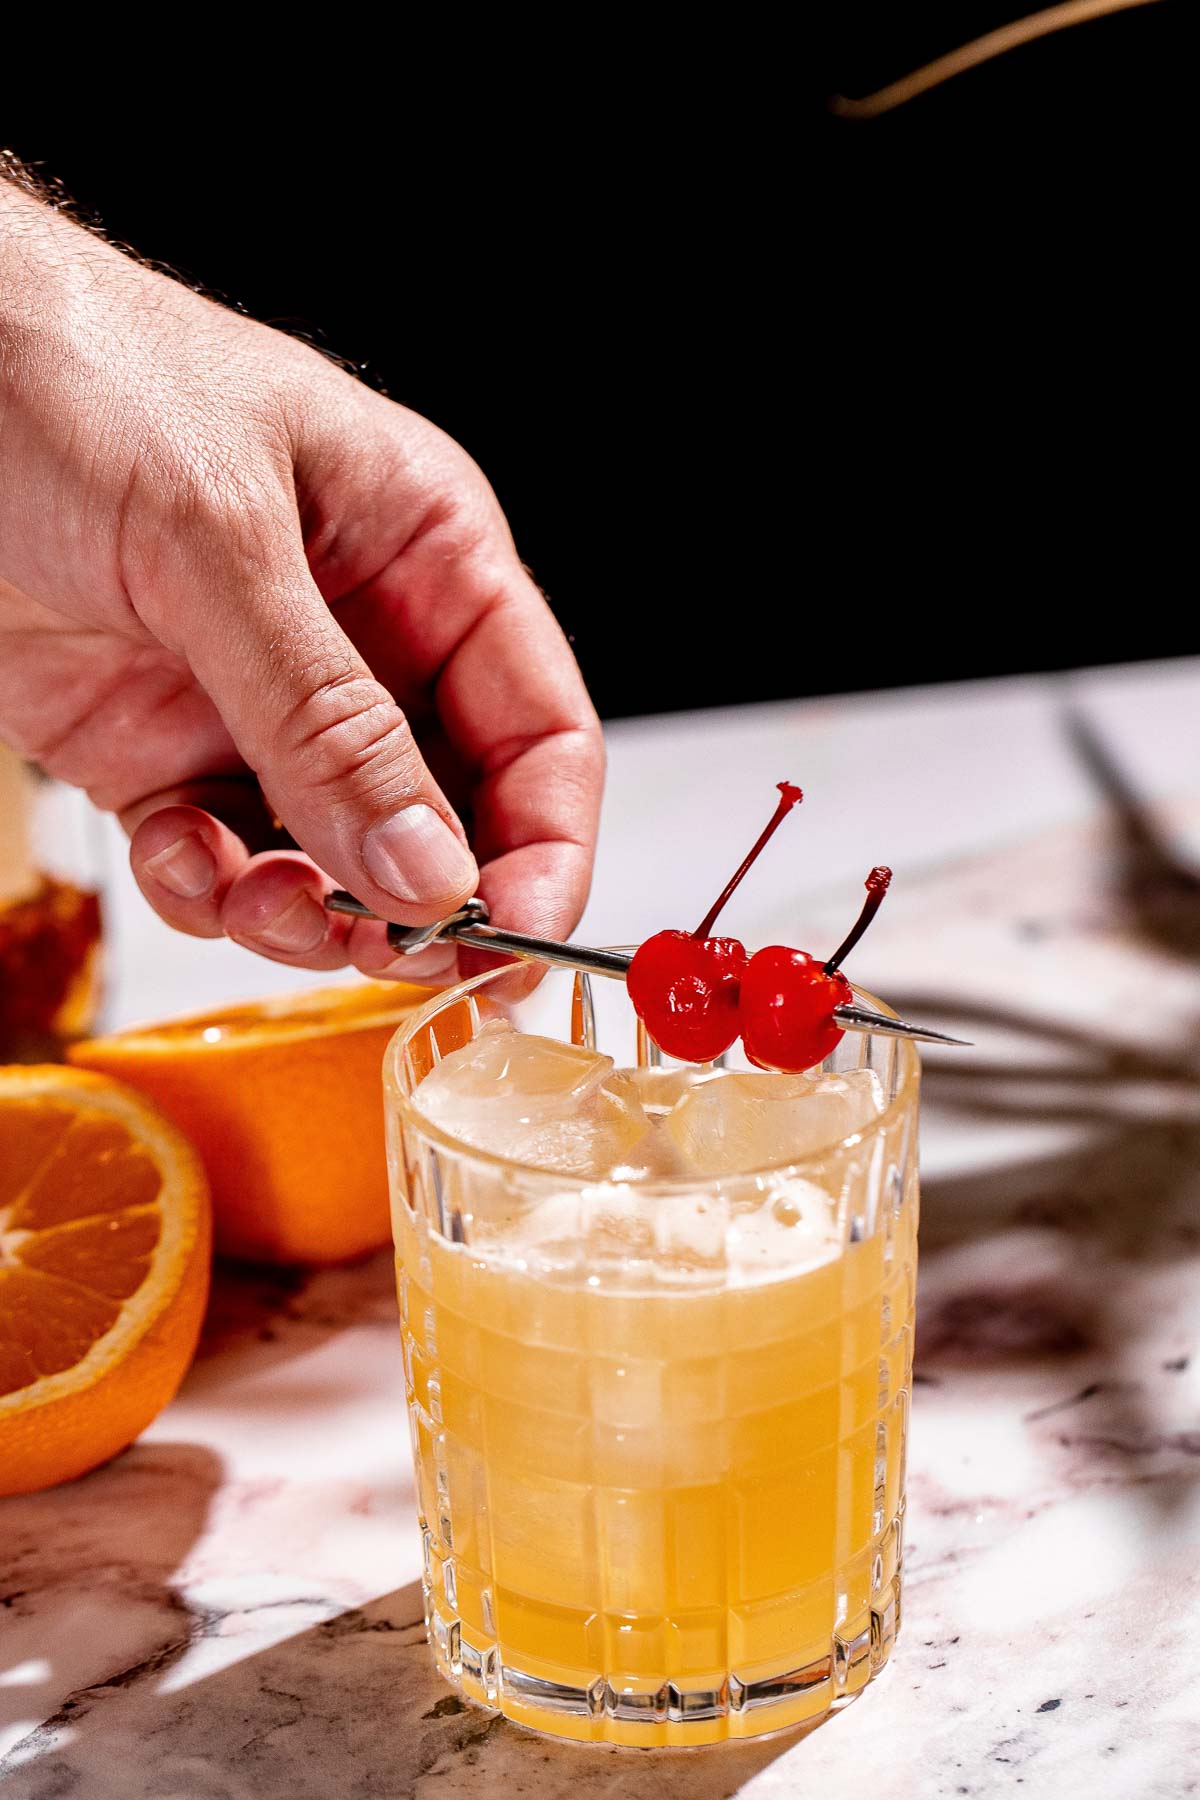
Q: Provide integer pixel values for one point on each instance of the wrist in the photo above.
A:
(53, 271)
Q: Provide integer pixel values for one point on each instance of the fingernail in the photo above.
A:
(299, 927)
(186, 868)
(426, 970)
(415, 856)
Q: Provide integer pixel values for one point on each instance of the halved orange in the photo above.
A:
(283, 1099)
(105, 1247)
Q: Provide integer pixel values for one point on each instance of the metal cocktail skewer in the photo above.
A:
(470, 926)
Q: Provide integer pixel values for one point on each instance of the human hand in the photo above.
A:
(230, 574)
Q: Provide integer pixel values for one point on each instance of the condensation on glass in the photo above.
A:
(659, 1503)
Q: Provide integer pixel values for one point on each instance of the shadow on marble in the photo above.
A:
(1159, 890)
(247, 1303)
(272, 1315)
(1082, 1242)
(86, 1583)
(352, 1707)
(1074, 1248)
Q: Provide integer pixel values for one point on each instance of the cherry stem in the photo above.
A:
(792, 796)
(877, 886)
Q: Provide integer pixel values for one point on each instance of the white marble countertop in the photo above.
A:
(230, 1611)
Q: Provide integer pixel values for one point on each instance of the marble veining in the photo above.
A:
(230, 1610)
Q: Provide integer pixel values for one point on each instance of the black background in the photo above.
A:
(777, 404)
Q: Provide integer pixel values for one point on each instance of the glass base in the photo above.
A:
(670, 1714)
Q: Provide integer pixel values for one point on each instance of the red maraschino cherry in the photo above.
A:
(788, 997)
(684, 984)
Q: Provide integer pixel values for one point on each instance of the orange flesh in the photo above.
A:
(78, 1230)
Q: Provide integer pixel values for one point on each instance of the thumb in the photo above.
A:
(328, 743)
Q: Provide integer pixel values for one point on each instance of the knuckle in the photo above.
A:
(343, 730)
(234, 503)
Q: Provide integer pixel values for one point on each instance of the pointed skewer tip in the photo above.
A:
(864, 1018)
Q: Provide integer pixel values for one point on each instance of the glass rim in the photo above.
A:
(533, 1174)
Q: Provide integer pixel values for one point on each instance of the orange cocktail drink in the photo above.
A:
(657, 1334)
